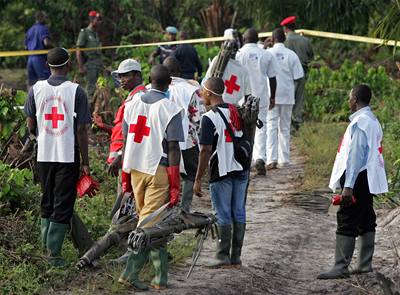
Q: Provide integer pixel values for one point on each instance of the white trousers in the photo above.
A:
(278, 134)
(260, 138)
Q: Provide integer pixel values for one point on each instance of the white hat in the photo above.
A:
(127, 66)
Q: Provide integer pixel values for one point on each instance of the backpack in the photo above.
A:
(241, 146)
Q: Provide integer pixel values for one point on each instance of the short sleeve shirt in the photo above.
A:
(88, 38)
(261, 66)
(82, 109)
(174, 131)
(290, 69)
(35, 35)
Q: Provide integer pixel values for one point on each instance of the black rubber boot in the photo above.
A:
(366, 251)
(222, 258)
(187, 194)
(237, 243)
(260, 167)
(343, 254)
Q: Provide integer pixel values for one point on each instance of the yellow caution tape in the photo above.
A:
(213, 39)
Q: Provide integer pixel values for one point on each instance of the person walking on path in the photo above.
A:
(359, 170)
(57, 116)
(89, 62)
(228, 179)
(302, 46)
(279, 118)
(38, 38)
(153, 130)
(187, 97)
(262, 69)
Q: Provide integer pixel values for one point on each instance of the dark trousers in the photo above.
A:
(58, 182)
(190, 161)
(360, 217)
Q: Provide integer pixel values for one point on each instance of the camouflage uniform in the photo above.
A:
(88, 38)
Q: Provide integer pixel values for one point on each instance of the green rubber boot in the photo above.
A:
(366, 251)
(222, 258)
(44, 228)
(130, 275)
(159, 257)
(237, 243)
(54, 242)
(187, 194)
(343, 254)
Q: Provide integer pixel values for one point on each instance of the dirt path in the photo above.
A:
(289, 240)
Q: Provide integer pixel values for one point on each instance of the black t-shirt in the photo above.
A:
(208, 136)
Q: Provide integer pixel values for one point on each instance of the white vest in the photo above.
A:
(147, 123)
(224, 150)
(375, 166)
(181, 93)
(55, 119)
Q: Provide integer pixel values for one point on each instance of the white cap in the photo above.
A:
(127, 66)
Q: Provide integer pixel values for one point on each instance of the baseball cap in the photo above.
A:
(128, 65)
(171, 30)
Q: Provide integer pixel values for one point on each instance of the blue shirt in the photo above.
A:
(35, 35)
(358, 153)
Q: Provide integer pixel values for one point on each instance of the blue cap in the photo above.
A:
(171, 30)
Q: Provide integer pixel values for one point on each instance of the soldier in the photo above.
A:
(153, 129)
(89, 62)
(262, 69)
(187, 97)
(58, 115)
(302, 46)
(359, 170)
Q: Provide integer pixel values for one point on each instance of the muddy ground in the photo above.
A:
(289, 240)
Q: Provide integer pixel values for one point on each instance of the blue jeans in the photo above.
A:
(228, 197)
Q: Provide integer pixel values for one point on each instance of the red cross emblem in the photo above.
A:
(140, 129)
(228, 137)
(380, 148)
(54, 117)
(231, 84)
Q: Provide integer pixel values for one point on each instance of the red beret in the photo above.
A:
(94, 13)
(289, 20)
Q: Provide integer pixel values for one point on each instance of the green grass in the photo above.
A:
(318, 143)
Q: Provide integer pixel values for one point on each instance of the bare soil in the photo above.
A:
(289, 240)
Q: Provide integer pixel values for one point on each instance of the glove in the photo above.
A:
(86, 185)
(337, 200)
(126, 182)
(174, 185)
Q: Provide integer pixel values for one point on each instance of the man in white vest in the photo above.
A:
(236, 79)
(187, 97)
(279, 118)
(262, 69)
(153, 130)
(58, 114)
(228, 179)
(359, 170)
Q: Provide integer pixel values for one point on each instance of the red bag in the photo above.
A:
(86, 185)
